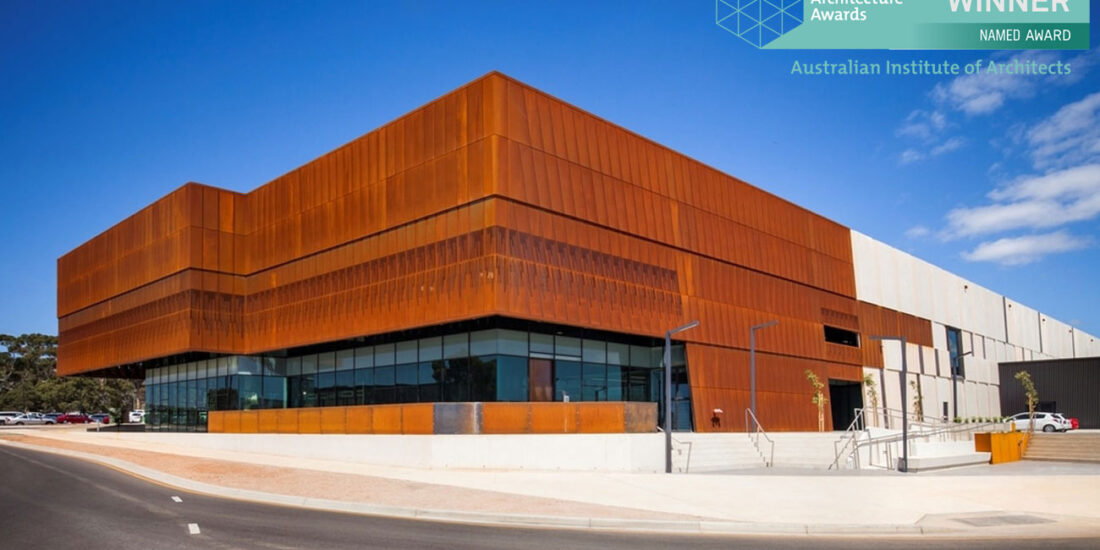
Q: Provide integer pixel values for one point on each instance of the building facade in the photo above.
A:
(973, 330)
(498, 244)
(1067, 386)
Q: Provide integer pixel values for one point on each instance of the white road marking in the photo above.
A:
(177, 499)
(193, 528)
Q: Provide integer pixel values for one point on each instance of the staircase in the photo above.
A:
(811, 450)
(711, 452)
(1067, 447)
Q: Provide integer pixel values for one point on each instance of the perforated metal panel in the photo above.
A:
(495, 199)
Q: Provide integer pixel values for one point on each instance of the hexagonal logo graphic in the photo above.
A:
(758, 22)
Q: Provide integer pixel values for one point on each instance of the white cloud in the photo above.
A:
(984, 92)
(1026, 249)
(910, 156)
(1034, 202)
(994, 218)
(928, 127)
(1063, 149)
(922, 124)
(1070, 136)
(953, 144)
(917, 232)
(1081, 182)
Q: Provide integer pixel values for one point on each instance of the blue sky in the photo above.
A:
(105, 107)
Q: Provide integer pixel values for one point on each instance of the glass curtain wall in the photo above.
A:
(487, 365)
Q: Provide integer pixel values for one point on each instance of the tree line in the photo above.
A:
(29, 381)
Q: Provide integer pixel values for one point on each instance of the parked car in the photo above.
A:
(30, 419)
(52, 416)
(137, 416)
(101, 418)
(1074, 424)
(74, 418)
(5, 415)
(1046, 422)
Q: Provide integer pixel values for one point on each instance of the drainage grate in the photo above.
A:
(991, 521)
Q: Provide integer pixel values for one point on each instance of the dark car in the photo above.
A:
(74, 418)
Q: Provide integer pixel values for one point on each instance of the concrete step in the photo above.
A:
(1063, 450)
(1069, 450)
(712, 452)
(1068, 456)
(698, 452)
(1079, 442)
(1067, 436)
(1091, 460)
(1067, 447)
(815, 450)
(1041, 445)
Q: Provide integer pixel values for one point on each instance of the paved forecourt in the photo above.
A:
(978, 501)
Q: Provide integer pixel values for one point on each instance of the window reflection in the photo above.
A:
(487, 365)
(456, 379)
(567, 381)
(384, 385)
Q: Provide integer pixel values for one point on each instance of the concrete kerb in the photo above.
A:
(714, 527)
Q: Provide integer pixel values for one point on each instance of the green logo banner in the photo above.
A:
(908, 24)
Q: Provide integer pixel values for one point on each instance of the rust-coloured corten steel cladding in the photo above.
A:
(495, 199)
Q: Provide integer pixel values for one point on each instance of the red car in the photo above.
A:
(74, 418)
(1074, 423)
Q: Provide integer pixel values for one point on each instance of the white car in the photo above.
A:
(7, 415)
(137, 416)
(1047, 422)
(1066, 424)
(30, 419)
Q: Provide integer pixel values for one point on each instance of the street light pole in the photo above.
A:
(752, 363)
(668, 391)
(954, 384)
(903, 466)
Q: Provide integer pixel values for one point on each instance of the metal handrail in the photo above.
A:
(894, 415)
(688, 444)
(849, 444)
(894, 438)
(754, 435)
(949, 429)
(851, 435)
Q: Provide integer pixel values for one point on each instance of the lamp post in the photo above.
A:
(954, 383)
(668, 391)
(752, 363)
(903, 466)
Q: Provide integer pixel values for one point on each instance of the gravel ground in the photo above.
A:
(348, 487)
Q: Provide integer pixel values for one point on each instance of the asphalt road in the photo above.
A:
(49, 501)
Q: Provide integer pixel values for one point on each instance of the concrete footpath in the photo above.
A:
(1028, 499)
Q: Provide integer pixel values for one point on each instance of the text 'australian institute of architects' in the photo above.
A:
(930, 68)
